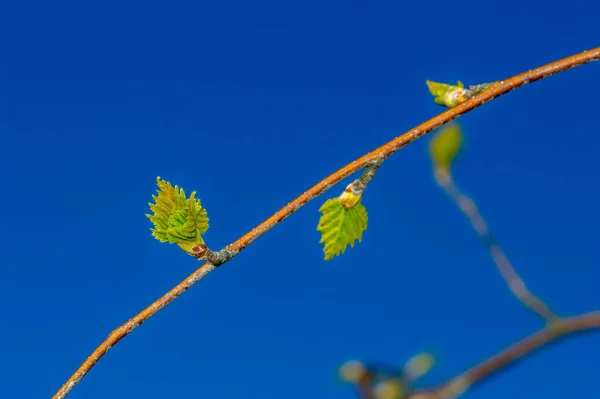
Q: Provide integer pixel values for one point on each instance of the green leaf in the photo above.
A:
(448, 95)
(445, 145)
(352, 371)
(177, 219)
(390, 388)
(419, 365)
(340, 227)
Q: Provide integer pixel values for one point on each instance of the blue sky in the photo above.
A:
(249, 104)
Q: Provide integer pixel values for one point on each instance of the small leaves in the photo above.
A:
(340, 226)
(384, 381)
(448, 95)
(445, 146)
(178, 219)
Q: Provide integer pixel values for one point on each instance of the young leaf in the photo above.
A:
(448, 95)
(445, 146)
(340, 227)
(177, 219)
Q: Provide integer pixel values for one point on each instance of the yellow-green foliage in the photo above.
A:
(445, 146)
(391, 388)
(177, 219)
(447, 95)
(418, 365)
(340, 227)
(386, 385)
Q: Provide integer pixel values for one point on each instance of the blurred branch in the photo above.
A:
(509, 274)
(555, 332)
(495, 89)
(367, 379)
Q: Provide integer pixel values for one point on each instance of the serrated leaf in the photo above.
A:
(340, 227)
(176, 218)
(445, 145)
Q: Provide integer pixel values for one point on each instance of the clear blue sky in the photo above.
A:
(250, 103)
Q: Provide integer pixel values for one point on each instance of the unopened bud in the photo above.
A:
(351, 194)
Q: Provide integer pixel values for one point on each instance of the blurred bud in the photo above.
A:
(352, 371)
(351, 194)
(389, 389)
(418, 366)
(445, 146)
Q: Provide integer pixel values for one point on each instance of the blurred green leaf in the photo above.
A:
(445, 145)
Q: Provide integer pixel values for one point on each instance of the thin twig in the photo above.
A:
(509, 274)
(358, 186)
(369, 172)
(496, 89)
(551, 334)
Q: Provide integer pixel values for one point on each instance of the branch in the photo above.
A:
(509, 274)
(509, 356)
(496, 89)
